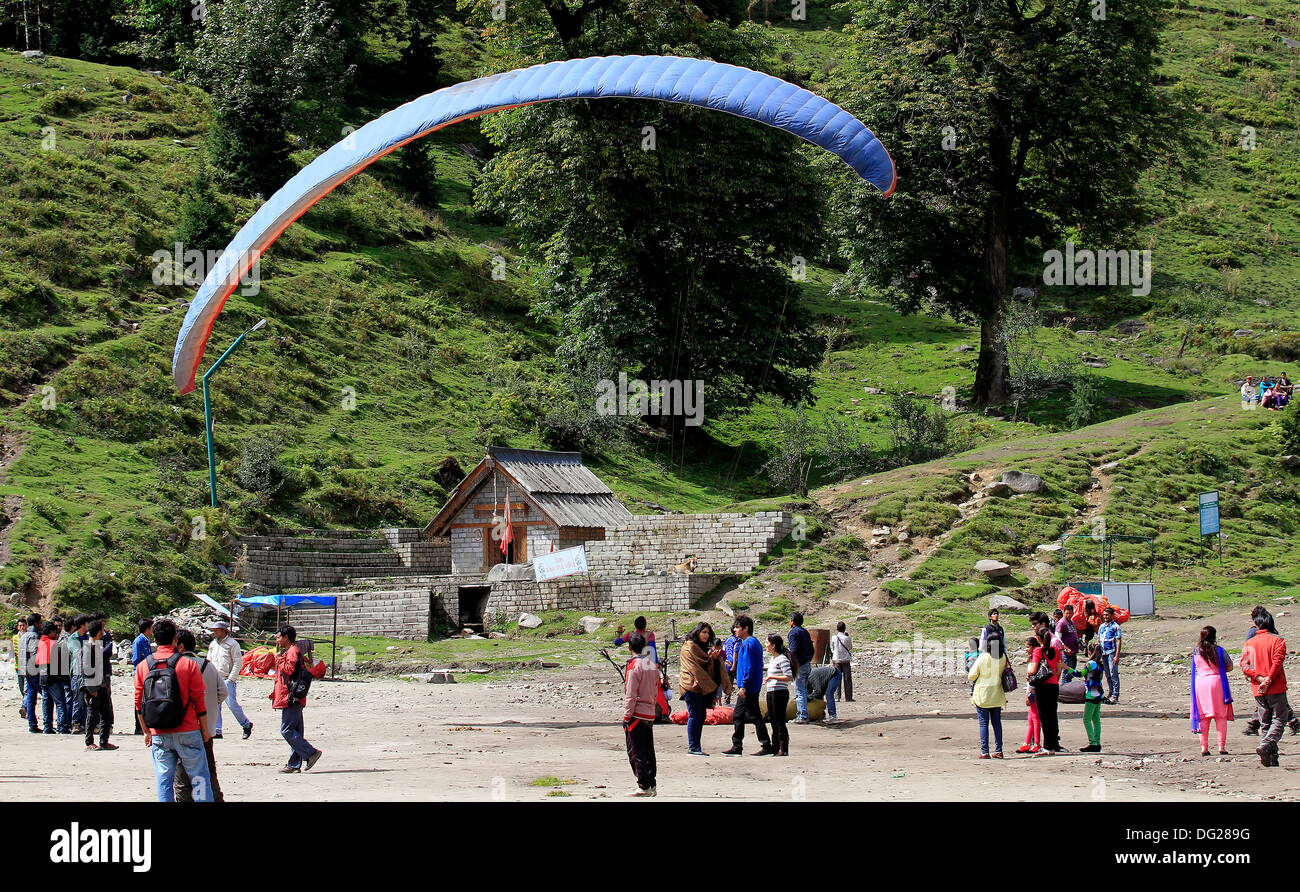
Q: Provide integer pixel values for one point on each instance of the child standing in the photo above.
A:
(777, 685)
(1092, 673)
(1034, 731)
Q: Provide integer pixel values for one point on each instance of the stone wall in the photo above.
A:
(312, 560)
(626, 593)
(378, 612)
(721, 543)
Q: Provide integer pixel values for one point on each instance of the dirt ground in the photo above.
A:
(911, 738)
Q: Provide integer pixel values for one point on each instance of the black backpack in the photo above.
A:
(299, 680)
(161, 697)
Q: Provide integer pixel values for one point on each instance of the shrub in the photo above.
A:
(1287, 428)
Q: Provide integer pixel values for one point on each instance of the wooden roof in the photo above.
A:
(562, 487)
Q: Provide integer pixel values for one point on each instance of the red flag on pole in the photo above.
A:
(508, 534)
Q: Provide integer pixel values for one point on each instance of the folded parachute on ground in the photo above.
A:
(258, 662)
(1074, 597)
(700, 82)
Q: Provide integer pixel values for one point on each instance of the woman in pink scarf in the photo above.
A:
(1211, 697)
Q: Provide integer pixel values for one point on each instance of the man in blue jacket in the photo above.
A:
(749, 681)
(801, 646)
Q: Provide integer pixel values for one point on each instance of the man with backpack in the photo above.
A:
(214, 691)
(292, 680)
(170, 708)
(54, 664)
(801, 648)
(28, 644)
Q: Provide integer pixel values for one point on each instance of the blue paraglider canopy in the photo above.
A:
(700, 82)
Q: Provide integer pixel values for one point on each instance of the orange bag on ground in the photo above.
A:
(1071, 595)
(258, 663)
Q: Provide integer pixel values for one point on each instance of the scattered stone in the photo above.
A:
(1263, 303)
(527, 620)
(1023, 293)
(1131, 327)
(963, 348)
(1243, 333)
(1291, 43)
(1095, 363)
(1003, 602)
(33, 55)
(1009, 533)
(1109, 466)
(873, 390)
(1023, 482)
(1290, 461)
(997, 490)
(724, 607)
(1040, 567)
(993, 569)
(1085, 332)
(590, 624)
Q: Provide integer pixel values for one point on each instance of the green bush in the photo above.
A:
(1287, 428)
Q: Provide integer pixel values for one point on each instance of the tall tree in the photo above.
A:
(667, 232)
(1010, 121)
(260, 60)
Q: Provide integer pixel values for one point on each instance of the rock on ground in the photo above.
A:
(528, 621)
(993, 569)
(1003, 602)
(1019, 481)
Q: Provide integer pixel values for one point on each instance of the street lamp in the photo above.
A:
(207, 410)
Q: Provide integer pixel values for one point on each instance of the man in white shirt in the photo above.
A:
(842, 656)
(224, 653)
(1249, 393)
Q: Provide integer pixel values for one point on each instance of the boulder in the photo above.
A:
(1109, 466)
(1290, 461)
(993, 569)
(963, 348)
(1131, 327)
(997, 490)
(1002, 602)
(874, 391)
(1243, 333)
(1085, 332)
(590, 624)
(527, 620)
(1040, 567)
(1019, 481)
(1049, 547)
(511, 571)
(33, 55)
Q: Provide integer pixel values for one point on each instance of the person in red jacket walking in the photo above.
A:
(302, 754)
(170, 708)
(1261, 662)
(641, 688)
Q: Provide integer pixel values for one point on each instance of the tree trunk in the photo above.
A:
(992, 374)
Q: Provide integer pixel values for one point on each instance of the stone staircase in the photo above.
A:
(317, 560)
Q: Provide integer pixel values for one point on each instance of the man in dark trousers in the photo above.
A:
(640, 689)
(749, 681)
(213, 694)
(302, 755)
(801, 648)
(96, 676)
(1261, 662)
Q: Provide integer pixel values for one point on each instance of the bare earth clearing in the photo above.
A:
(903, 739)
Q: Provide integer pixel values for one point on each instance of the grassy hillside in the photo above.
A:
(103, 473)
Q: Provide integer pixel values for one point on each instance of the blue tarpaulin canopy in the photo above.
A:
(279, 601)
(284, 602)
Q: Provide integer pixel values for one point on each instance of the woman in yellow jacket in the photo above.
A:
(987, 694)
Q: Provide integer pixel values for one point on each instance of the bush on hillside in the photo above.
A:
(205, 218)
(1287, 428)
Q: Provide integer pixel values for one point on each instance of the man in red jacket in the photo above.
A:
(181, 740)
(286, 663)
(1261, 662)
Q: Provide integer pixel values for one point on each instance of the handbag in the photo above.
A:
(1008, 678)
(1043, 673)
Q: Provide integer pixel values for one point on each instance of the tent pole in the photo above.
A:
(334, 648)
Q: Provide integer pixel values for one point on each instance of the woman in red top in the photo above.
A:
(1048, 692)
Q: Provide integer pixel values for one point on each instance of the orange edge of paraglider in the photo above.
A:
(220, 304)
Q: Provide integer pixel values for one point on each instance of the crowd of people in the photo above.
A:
(1267, 392)
(713, 672)
(1052, 655)
(178, 695)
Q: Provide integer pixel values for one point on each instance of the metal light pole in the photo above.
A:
(207, 411)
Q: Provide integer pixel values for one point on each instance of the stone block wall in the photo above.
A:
(402, 612)
(721, 543)
(313, 560)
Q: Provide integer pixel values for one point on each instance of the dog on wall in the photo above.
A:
(687, 566)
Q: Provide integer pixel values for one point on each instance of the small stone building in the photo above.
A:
(555, 502)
